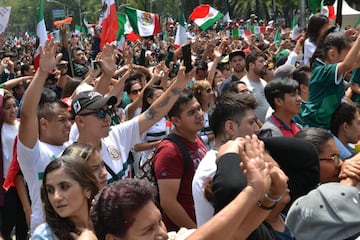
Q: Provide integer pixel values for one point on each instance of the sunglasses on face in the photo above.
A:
(136, 91)
(209, 90)
(101, 113)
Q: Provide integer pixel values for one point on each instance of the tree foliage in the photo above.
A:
(24, 12)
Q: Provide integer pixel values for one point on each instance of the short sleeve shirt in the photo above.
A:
(326, 90)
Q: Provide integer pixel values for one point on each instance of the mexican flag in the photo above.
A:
(108, 22)
(328, 10)
(205, 16)
(144, 23)
(180, 37)
(125, 30)
(40, 34)
(314, 5)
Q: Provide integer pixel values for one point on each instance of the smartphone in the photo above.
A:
(186, 52)
(95, 64)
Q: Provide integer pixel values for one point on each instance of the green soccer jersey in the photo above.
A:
(355, 79)
(326, 90)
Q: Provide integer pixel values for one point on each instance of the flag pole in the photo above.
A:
(339, 12)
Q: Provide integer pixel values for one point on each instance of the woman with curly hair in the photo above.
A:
(69, 186)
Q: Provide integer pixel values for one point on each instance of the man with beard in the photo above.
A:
(256, 67)
(237, 62)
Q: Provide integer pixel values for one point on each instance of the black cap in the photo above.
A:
(90, 100)
(236, 53)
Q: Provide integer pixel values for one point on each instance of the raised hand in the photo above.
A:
(251, 151)
(107, 61)
(48, 57)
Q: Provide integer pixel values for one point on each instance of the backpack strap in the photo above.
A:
(111, 172)
(184, 151)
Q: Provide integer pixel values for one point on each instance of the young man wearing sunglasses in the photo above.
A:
(92, 113)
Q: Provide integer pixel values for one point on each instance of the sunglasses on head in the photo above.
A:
(136, 91)
(100, 113)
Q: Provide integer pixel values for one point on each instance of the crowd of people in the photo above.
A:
(257, 141)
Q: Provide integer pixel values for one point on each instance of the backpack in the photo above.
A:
(147, 172)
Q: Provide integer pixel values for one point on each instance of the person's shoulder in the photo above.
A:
(182, 234)
(43, 232)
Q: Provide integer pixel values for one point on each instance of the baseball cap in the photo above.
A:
(90, 100)
(281, 54)
(236, 53)
(331, 211)
(284, 71)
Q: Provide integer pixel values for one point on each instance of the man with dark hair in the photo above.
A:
(282, 95)
(27, 70)
(345, 126)
(42, 135)
(174, 180)
(80, 62)
(256, 67)
(302, 76)
(231, 116)
(237, 62)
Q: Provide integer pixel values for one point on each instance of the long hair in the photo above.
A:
(330, 39)
(78, 170)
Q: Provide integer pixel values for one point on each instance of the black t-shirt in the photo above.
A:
(228, 182)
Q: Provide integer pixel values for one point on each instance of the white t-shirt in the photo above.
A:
(206, 131)
(309, 49)
(32, 163)
(206, 169)
(8, 134)
(154, 133)
(257, 89)
(115, 148)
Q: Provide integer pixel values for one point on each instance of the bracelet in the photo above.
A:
(267, 197)
(264, 207)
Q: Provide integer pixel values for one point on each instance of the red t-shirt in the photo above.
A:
(169, 164)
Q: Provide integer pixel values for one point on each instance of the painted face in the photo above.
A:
(148, 225)
(97, 165)
(330, 164)
(65, 195)
(10, 110)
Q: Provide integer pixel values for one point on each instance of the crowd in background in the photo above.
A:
(257, 141)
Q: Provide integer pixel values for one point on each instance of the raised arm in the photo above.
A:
(108, 67)
(352, 59)
(137, 102)
(218, 56)
(163, 104)
(13, 82)
(243, 215)
(28, 130)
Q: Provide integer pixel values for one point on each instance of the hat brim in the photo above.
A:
(111, 100)
(236, 53)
